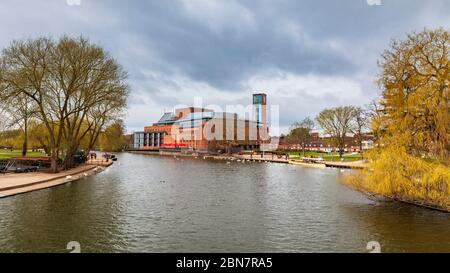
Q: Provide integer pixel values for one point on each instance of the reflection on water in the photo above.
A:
(153, 204)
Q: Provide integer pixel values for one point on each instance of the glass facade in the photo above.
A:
(143, 139)
(258, 99)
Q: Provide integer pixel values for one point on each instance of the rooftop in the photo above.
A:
(167, 118)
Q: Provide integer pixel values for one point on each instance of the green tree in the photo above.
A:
(113, 138)
(376, 121)
(361, 123)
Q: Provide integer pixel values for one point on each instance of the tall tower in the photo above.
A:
(260, 115)
(260, 109)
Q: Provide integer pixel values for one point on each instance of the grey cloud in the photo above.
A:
(225, 43)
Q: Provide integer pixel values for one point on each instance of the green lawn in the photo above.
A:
(5, 154)
(327, 157)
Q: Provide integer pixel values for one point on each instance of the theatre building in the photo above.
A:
(205, 131)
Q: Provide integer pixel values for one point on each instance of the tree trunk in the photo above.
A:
(341, 150)
(54, 162)
(25, 140)
(24, 148)
(361, 148)
(46, 149)
(69, 160)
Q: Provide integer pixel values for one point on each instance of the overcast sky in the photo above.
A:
(306, 55)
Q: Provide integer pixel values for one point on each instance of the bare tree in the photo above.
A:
(25, 69)
(360, 124)
(96, 88)
(2, 117)
(67, 80)
(337, 122)
(19, 111)
(300, 132)
(375, 115)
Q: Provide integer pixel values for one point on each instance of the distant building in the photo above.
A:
(368, 144)
(205, 131)
(324, 143)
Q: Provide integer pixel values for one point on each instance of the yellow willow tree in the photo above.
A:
(412, 123)
(415, 82)
(68, 80)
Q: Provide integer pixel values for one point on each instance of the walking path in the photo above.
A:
(12, 184)
(265, 158)
(308, 165)
(347, 165)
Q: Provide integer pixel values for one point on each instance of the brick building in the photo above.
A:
(324, 143)
(205, 131)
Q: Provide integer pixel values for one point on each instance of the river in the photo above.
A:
(162, 204)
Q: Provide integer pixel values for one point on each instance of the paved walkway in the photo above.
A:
(308, 165)
(347, 165)
(12, 184)
(266, 158)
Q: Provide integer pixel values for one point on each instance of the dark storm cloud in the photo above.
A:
(320, 37)
(305, 54)
(228, 51)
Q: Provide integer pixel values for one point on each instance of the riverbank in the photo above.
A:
(399, 176)
(181, 155)
(417, 203)
(357, 165)
(234, 157)
(265, 158)
(13, 184)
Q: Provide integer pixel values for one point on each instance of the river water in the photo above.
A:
(161, 204)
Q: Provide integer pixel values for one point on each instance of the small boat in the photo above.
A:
(110, 157)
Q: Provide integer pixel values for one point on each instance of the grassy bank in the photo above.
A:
(5, 154)
(327, 157)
